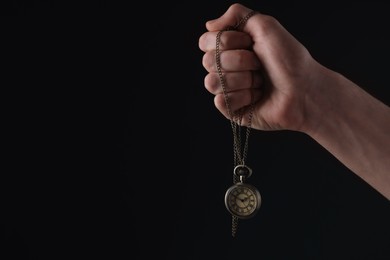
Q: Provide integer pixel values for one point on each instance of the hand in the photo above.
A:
(241, 200)
(266, 62)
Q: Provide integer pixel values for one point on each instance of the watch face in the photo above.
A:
(242, 200)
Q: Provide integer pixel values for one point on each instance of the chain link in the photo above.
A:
(240, 153)
(240, 148)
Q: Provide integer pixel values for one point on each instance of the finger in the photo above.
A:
(231, 60)
(234, 81)
(236, 100)
(229, 40)
(230, 18)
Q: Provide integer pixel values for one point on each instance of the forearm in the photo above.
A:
(354, 127)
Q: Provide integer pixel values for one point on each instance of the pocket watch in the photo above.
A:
(242, 200)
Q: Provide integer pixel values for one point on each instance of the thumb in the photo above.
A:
(229, 19)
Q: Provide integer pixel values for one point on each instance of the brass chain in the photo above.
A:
(239, 152)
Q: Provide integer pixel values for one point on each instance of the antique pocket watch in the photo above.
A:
(242, 200)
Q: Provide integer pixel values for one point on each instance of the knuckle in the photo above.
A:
(267, 24)
(207, 61)
(236, 7)
(208, 82)
(204, 41)
(211, 82)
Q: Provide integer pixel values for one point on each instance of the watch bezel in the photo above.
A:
(255, 191)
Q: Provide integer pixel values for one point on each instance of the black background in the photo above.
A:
(115, 150)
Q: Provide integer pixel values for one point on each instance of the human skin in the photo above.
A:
(293, 91)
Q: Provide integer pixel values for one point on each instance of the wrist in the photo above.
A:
(324, 100)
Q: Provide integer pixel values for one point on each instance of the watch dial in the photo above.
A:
(242, 200)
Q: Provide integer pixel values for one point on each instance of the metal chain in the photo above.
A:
(235, 118)
(239, 152)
